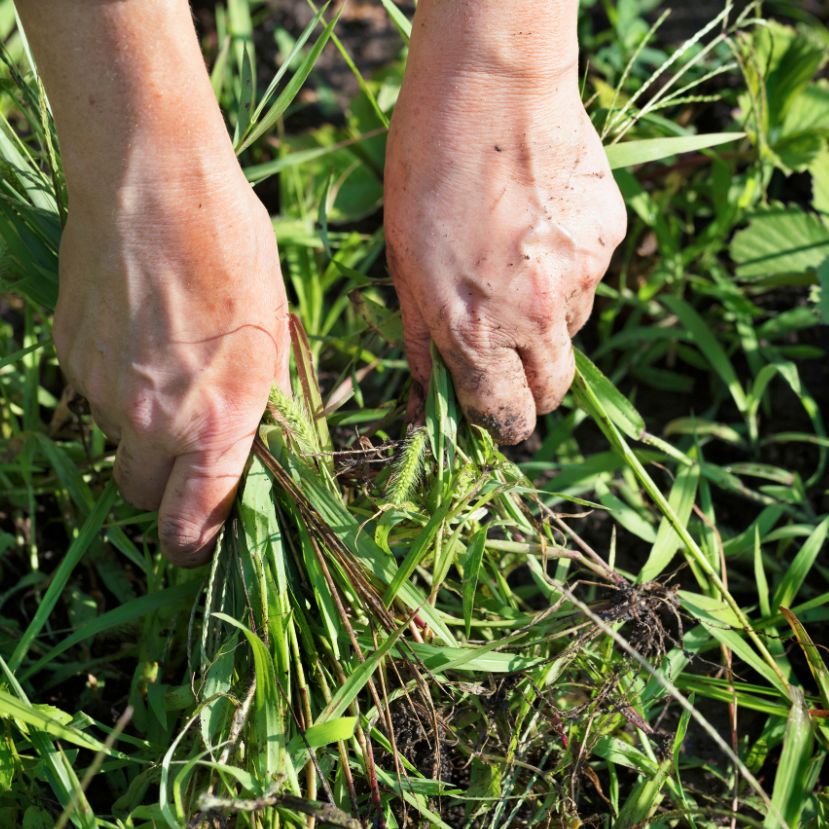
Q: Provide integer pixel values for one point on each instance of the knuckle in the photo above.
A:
(477, 336)
(140, 413)
(617, 220)
(544, 304)
(218, 423)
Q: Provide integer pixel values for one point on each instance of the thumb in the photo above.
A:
(197, 500)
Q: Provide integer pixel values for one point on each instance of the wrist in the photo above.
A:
(129, 89)
(526, 41)
(166, 157)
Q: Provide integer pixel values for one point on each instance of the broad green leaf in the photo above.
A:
(802, 137)
(820, 181)
(795, 65)
(780, 240)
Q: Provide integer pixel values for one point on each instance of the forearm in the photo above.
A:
(126, 80)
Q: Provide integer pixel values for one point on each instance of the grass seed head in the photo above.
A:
(290, 414)
(407, 472)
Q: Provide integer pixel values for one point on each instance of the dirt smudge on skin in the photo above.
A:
(507, 426)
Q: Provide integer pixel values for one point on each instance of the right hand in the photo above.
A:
(172, 322)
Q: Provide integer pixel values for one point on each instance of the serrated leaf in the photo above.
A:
(793, 67)
(780, 240)
(820, 180)
(805, 128)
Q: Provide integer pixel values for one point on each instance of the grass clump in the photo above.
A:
(620, 624)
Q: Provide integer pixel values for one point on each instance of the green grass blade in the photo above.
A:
(681, 500)
(801, 566)
(720, 621)
(471, 569)
(790, 781)
(76, 551)
(401, 22)
(702, 336)
(357, 680)
(291, 90)
(117, 617)
(617, 406)
(30, 715)
(631, 153)
(816, 664)
(270, 718)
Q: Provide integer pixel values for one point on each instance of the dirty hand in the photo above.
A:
(171, 316)
(171, 321)
(501, 211)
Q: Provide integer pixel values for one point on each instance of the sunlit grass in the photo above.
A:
(623, 620)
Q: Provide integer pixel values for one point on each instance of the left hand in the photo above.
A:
(501, 218)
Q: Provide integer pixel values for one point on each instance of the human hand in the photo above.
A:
(172, 322)
(501, 218)
(171, 317)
